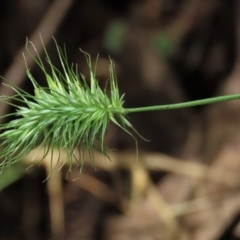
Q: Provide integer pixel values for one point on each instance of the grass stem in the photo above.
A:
(184, 104)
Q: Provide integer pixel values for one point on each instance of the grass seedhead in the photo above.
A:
(69, 114)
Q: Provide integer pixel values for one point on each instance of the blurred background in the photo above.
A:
(185, 184)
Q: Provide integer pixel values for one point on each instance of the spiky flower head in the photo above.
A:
(70, 113)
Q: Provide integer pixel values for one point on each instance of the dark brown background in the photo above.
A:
(165, 51)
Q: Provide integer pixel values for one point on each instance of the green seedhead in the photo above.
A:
(70, 113)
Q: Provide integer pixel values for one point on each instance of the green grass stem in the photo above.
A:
(188, 104)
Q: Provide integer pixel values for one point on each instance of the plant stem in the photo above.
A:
(184, 104)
